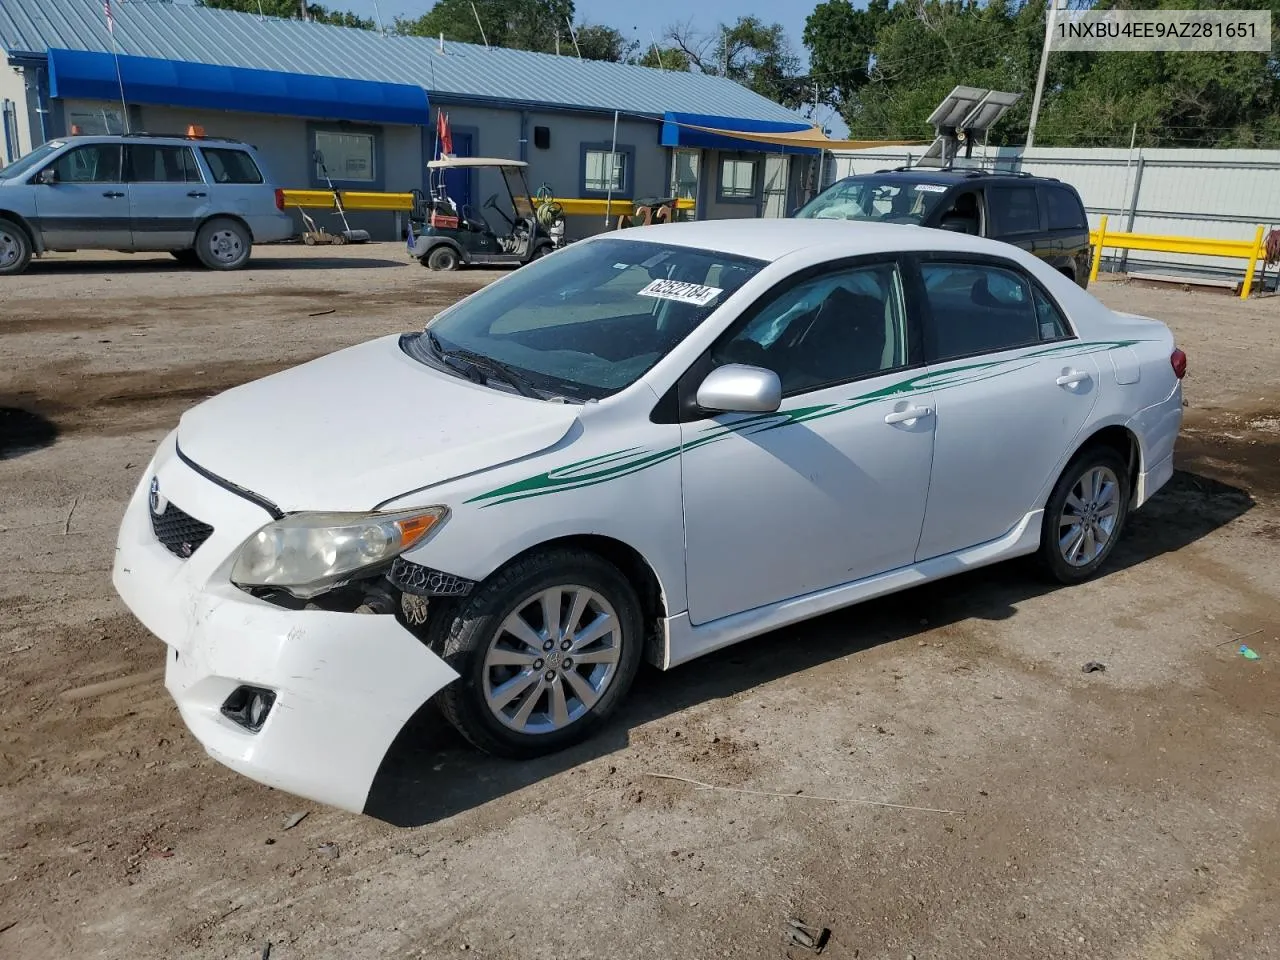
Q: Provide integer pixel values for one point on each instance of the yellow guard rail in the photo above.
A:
(1250, 250)
(370, 200)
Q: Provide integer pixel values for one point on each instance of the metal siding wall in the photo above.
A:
(13, 88)
(1221, 194)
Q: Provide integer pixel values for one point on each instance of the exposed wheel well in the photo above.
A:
(634, 567)
(22, 222)
(1122, 441)
(1069, 273)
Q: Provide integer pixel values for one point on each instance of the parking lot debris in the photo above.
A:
(295, 818)
(322, 313)
(800, 934)
(266, 950)
(1094, 666)
(328, 850)
(1247, 652)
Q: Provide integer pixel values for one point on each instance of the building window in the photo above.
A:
(738, 180)
(606, 170)
(348, 157)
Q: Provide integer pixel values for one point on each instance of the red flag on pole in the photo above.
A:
(442, 131)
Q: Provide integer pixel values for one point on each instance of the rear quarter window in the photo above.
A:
(231, 166)
(1065, 211)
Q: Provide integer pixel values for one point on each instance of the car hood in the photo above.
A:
(353, 429)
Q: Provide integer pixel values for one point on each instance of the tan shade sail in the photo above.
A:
(813, 138)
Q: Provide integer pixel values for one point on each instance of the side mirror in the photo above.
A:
(48, 176)
(738, 388)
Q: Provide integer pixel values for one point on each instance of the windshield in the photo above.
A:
(30, 161)
(879, 199)
(590, 319)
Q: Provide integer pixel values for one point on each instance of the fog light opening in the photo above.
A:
(249, 707)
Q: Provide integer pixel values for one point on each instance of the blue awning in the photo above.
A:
(92, 76)
(677, 132)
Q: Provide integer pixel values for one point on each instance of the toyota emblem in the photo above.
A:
(158, 502)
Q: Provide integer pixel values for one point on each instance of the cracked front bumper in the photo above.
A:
(345, 683)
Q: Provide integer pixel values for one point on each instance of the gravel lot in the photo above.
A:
(1126, 814)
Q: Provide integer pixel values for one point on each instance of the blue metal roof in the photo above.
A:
(79, 74)
(172, 31)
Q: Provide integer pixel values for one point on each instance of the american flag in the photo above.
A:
(111, 23)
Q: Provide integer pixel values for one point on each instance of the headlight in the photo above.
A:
(308, 553)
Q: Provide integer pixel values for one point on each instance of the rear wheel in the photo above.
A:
(223, 244)
(1085, 515)
(545, 651)
(443, 258)
(15, 248)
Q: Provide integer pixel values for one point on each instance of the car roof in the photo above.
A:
(950, 177)
(166, 138)
(772, 239)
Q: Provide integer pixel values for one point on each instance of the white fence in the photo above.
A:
(1222, 194)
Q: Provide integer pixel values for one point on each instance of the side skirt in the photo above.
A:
(685, 641)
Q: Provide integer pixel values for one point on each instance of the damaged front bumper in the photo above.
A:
(344, 684)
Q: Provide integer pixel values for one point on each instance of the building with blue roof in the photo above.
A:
(367, 101)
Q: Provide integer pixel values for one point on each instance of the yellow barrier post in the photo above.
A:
(1254, 254)
(1097, 250)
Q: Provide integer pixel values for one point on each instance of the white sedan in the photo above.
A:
(650, 444)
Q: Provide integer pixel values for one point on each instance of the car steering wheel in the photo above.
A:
(492, 204)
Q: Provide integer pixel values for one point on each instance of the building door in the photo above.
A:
(458, 184)
(776, 168)
(684, 177)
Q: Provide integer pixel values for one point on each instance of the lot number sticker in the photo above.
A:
(681, 292)
(930, 188)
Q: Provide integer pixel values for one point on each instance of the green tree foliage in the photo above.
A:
(749, 51)
(292, 8)
(887, 66)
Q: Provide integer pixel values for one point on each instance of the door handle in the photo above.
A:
(1071, 378)
(113, 194)
(911, 413)
(197, 193)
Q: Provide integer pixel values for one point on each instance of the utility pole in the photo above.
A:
(1050, 22)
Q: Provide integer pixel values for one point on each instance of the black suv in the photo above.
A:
(1039, 214)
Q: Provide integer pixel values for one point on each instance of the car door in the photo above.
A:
(87, 204)
(1014, 387)
(168, 197)
(1015, 218)
(831, 488)
(1069, 228)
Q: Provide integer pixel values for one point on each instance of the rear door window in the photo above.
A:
(1065, 212)
(150, 163)
(1014, 209)
(977, 308)
(231, 166)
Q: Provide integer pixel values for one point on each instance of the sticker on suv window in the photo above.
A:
(681, 292)
(930, 188)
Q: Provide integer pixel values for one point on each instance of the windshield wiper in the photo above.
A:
(482, 364)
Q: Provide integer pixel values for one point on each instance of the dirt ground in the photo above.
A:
(1130, 813)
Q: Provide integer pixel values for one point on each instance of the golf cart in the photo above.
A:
(450, 235)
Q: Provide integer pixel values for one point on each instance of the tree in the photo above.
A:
(603, 43)
(750, 52)
(665, 58)
(288, 9)
(516, 24)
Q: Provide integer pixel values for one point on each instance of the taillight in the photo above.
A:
(279, 199)
(1179, 361)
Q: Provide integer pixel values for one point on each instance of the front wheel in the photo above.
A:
(1084, 515)
(223, 244)
(15, 248)
(442, 258)
(545, 651)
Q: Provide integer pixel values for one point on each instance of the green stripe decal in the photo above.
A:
(622, 463)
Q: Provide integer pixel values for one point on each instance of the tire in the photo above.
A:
(186, 257)
(223, 244)
(525, 725)
(1065, 557)
(15, 249)
(442, 258)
